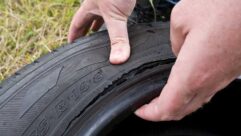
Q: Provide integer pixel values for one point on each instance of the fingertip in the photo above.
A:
(117, 59)
(149, 112)
(120, 53)
(69, 39)
(141, 112)
(138, 112)
(80, 24)
(73, 34)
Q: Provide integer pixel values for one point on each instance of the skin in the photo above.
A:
(206, 38)
(93, 13)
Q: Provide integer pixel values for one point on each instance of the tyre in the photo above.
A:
(76, 91)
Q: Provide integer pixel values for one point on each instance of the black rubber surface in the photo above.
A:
(220, 117)
(48, 97)
(136, 88)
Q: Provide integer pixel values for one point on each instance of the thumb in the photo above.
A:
(120, 47)
(115, 14)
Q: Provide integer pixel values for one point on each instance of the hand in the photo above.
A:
(114, 13)
(206, 37)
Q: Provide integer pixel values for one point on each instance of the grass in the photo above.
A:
(30, 29)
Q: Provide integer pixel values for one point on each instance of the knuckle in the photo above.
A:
(176, 17)
(117, 9)
(119, 40)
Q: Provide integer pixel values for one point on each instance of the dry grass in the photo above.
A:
(31, 28)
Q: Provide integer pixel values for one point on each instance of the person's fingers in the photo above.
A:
(177, 31)
(149, 111)
(173, 98)
(120, 47)
(171, 101)
(188, 86)
(80, 24)
(115, 14)
(97, 23)
(200, 70)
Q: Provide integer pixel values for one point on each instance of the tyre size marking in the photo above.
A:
(77, 92)
(61, 107)
(74, 95)
(98, 77)
(84, 86)
(41, 129)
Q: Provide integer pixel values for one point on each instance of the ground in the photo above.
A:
(30, 29)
